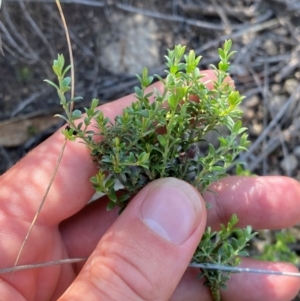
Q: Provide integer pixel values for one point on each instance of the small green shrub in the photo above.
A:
(156, 139)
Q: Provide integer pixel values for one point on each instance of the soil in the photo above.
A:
(114, 40)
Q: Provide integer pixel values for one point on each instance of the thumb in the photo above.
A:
(145, 252)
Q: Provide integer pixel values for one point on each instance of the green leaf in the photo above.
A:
(76, 114)
(80, 125)
(66, 70)
(150, 80)
(95, 103)
(77, 98)
(211, 150)
(64, 89)
(172, 102)
(237, 126)
(139, 92)
(110, 206)
(123, 198)
(112, 195)
(161, 139)
(51, 83)
(62, 117)
(233, 221)
(110, 183)
(243, 253)
(56, 70)
(60, 61)
(222, 54)
(69, 134)
(227, 45)
(234, 98)
(90, 132)
(223, 66)
(66, 81)
(143, 158)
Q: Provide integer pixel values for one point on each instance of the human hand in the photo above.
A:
(127, 260)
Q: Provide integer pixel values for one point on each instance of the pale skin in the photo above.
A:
(125, 258)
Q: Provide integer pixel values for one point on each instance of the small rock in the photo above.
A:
(281, 31)
(248, 114)
(289, 164)
(239, 70)
(251, 102)
(291, 85)
(255, 128)
(276, 88)
(276, 103)
(136, 46)
(270, 47)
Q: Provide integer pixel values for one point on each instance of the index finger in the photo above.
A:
(271, 202)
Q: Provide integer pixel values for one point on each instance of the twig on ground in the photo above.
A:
(223, 16)
(17, 34)
(35, 27)
(293, 63)
(189, 21)
(29, 57)
(33, 97)
(85, 50)
(256, 145)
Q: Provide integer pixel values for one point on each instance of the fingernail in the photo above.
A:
(172, 209)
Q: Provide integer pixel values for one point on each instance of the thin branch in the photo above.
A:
(157, 15)
(40, 265)
(271, 125)
(70, 51)
(223, 16)
(41, 205)
(35, 27)
(62, 148)
(33, 97)
(206, 266)
(209, 266)
(17, 33)
(82, 2)
(20, 51)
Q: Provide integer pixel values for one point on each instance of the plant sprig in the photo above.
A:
(222, 248)
(167, 138)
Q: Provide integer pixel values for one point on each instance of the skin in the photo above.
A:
(67, 228)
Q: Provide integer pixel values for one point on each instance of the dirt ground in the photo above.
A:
(112, 40)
